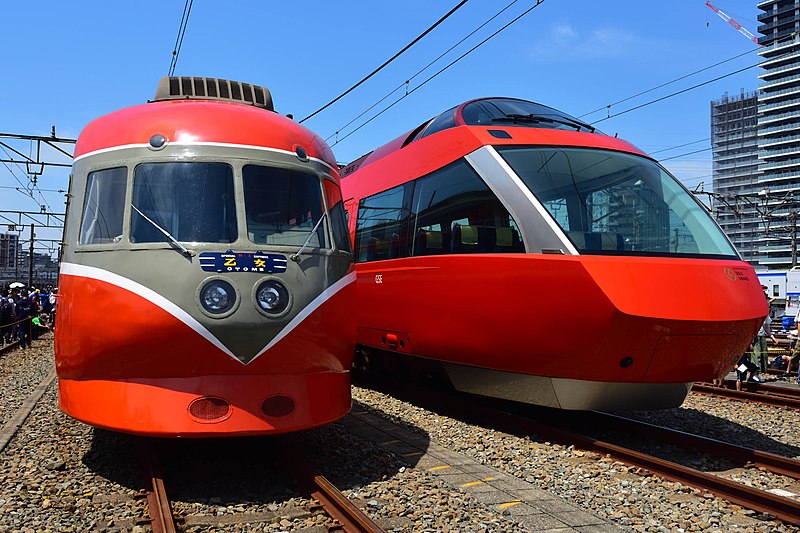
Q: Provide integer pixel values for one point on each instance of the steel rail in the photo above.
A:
(158, 506)
(733, 394)
(758, 500)
(8, 347)
(346, 515)
(350, 518)
(776, 464)
(495, 412)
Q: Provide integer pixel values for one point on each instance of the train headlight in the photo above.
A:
(272, 298)
(217, 297)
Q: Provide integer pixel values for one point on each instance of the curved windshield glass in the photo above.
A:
(616, 203)
(104, 205)
(283, 207)
(187, 202)
(510, 111)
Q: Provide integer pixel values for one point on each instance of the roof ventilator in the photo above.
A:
(189, 87)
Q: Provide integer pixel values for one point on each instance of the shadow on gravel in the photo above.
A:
(245, 470)
(112, 455)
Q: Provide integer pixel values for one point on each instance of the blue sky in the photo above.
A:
(67, 63)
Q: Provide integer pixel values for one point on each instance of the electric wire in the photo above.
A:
(687, 153)
(608, 107)
(11, 169)
(176, 51)
(676, 93)
(420, 71)
(440, 71)
(398, 54)
(62, 191)
(679, 146)
(26, 190)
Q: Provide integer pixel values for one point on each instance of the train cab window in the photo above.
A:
(380, 228)
(192, 202)
(283, 207)
(104, 206)
(616, 203)
(444, 121)
(454, 212)
(338, 216)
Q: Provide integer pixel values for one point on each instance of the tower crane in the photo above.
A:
(741, 29)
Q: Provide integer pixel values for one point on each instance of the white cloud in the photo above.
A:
(565, 42)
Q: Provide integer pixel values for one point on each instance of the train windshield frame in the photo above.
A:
(192, 201)
(615, 203)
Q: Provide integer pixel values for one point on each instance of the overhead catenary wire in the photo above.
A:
(423, 69)
(388, 61)
(676, 93)
(680, 146)
(670, 82)
(176, 51)
(687, 153)
(440, 71)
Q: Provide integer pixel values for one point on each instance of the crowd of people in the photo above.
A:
(756, 361)
(26, 312)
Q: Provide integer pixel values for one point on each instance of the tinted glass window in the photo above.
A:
(442, 122)
(616, 203)
(193, 202)
(339, 227)
(510, 111)
(453, 211)
(379, 225)
(103, 206)
(283, 206)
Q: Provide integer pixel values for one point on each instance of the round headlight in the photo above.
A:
(272, 297)
(217, 296)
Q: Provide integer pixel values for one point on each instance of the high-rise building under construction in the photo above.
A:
(759, 205)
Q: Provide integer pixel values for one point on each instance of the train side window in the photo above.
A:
(339, 227)
(454, 211)
(103, 206)
(380, 225)
(338, 216)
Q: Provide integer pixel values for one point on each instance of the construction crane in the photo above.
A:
(741, 29)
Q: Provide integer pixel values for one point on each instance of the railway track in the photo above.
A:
(8, 347)
(345, 516)
(558, 428)
(763, 393)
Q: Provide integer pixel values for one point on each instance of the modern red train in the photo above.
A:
(526, 255)
(206, 276)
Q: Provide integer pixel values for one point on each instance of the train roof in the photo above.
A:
(493, 113)
(203, 119)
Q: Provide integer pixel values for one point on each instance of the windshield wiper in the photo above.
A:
(535, 119)
(172, 240)
(296, 257)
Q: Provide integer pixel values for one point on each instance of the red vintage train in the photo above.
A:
(206, 277)
(527, 256)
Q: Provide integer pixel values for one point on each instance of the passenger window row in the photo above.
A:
(468, 239)
(450, 211)
(597, 241)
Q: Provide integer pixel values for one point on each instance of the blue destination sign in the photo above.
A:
(242, 262)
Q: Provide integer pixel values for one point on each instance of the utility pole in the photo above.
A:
(16, 259)
(30, 259)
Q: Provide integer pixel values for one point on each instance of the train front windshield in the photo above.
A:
(192, 202)
(616, 203)
(195, 202)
